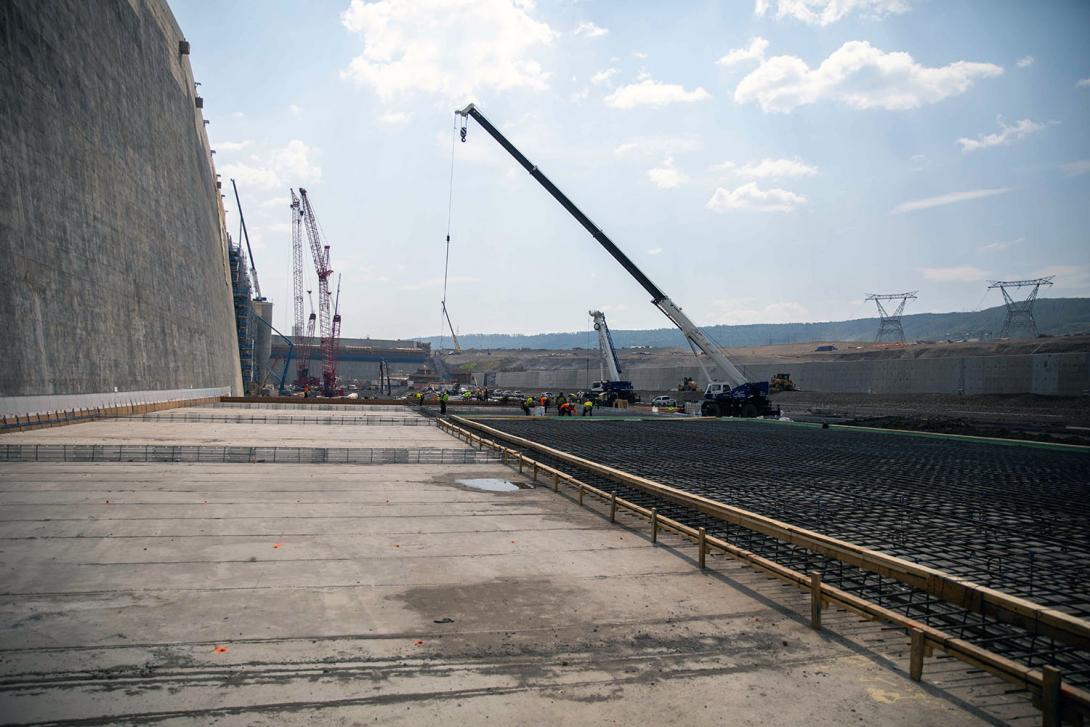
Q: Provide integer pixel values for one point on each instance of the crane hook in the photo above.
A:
(462, 131)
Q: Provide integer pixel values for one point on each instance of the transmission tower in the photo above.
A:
(889, 324)
(1020, 312)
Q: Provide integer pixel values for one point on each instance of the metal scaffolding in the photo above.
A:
(1020, 312)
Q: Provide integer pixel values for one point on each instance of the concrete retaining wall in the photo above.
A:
(114, 273)
(1060, 374)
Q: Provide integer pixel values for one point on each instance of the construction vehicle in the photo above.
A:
(781, 382)
(733, 394)
(612, 387)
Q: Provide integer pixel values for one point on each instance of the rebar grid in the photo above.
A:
(1010, 517)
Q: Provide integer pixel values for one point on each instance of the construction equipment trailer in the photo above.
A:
(732, 394)
(612, 387)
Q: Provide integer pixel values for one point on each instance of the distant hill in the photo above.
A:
(1055, 316)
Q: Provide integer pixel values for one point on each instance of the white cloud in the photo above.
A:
(770, 168)
(1003, 137)
(603, 76)
(827, 12)
(741, 311)
(860, 76)
(751, 197)
(639, 55)
(1024, 62)
(754, 52)
(945, 199)
(1074, 169)
(652, 93)
(395, 117)
(453, 48)
(1082, 83)
(960, 274)
(655, 251)
(232, 145)
(590, 30)
(285, 166)
(658, 145)
(666, 176)
(1000, 246)
(1067, 276)
(295, 109)
(277, 202)
(279, 227)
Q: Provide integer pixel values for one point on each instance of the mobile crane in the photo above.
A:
(733, 394)
(612, 386)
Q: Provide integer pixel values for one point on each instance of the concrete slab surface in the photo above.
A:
(272, 594)
(218, 434)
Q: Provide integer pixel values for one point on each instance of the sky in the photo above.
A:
(761, 160)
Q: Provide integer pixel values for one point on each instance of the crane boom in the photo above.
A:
(319, 249)
(605, 343)
(249, 250)
(692, 332)
(298, 326)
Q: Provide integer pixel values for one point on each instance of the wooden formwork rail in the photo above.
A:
(1067, 702)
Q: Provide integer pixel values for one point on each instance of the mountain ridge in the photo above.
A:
(1055, 317)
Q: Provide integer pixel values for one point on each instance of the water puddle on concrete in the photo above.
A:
(491, 484)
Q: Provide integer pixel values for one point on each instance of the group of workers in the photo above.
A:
(564, 406)
(444, 397)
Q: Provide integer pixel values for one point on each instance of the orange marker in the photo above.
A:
(220, 649)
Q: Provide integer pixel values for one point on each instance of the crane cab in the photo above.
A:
(747, 400)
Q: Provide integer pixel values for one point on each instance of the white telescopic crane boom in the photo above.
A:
(730, 373)
(605, 343)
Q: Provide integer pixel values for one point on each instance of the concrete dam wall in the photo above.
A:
(1049, 374)
(114, 286)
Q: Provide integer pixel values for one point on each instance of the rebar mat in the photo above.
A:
(1011, 517)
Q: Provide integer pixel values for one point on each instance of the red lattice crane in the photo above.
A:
(303, 333)
(319, 251)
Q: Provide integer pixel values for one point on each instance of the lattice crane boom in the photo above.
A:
(297, 264)
(319, 251)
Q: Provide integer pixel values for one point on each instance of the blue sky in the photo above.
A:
(762, 161)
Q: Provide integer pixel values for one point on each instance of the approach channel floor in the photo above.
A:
(259, 593)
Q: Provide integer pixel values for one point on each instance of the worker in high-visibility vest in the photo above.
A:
(588, 407)
(443, 398)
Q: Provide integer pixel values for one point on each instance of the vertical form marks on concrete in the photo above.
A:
(111, 232)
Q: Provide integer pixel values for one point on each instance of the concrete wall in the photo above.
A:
(1059, 374)
(263, 336)
(114, 275)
